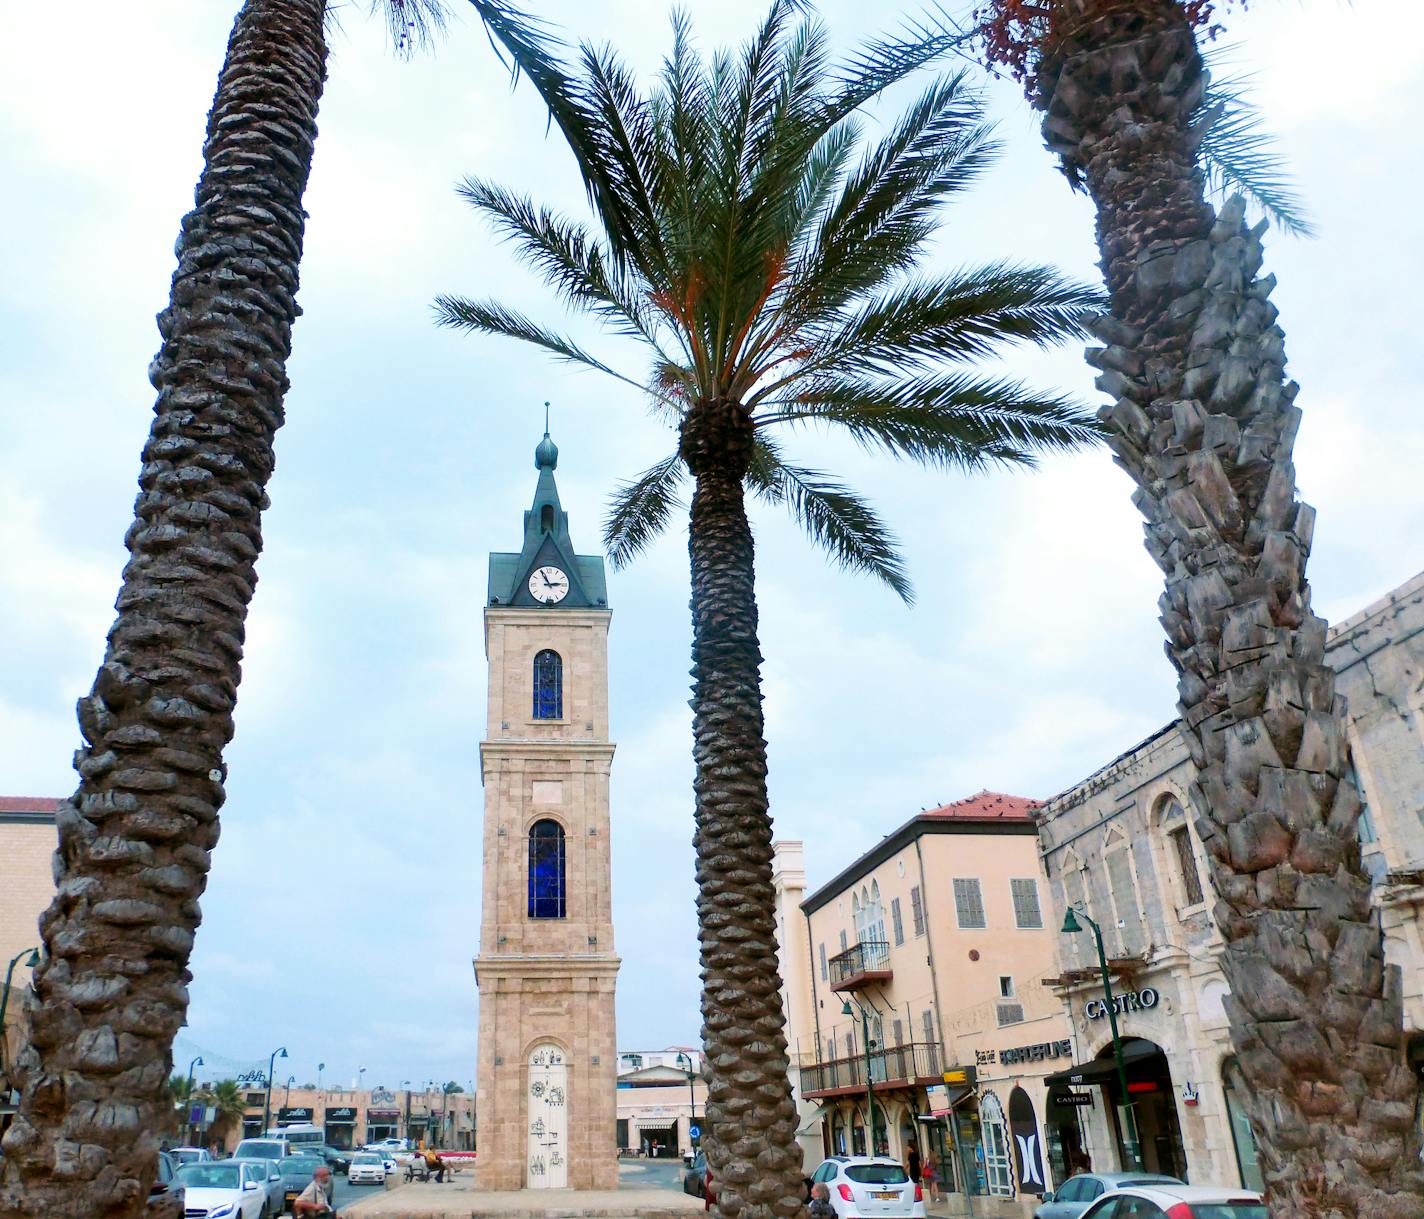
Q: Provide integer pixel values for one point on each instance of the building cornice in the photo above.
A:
(543, 750)
(542, 965)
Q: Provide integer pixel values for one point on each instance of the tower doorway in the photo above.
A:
(548, 1119)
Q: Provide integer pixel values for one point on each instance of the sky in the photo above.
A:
(342, 912)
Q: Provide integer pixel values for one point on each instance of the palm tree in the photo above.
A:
(762, 254)
(135, 839)
(226, 1096)
(1203, 418)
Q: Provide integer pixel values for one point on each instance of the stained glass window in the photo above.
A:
(548, 686)
(546, 870)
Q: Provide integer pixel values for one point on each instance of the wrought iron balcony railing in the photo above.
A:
(891, 1066)
(860, 965)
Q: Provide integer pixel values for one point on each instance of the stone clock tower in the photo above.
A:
(546, 966)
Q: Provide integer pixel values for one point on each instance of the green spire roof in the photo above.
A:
(547, 544)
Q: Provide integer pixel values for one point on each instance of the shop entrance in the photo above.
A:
(659, 1142)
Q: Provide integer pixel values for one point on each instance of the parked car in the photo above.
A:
(163, 1190)
(870, 1186)
(1178, 1202)
(271, 1178)
(694, 1177)
(262, 1149)
(228, 1189)
(367, 1168)
(296, 1173)
(190, 1155)
(1077, 1193)
(336, 1159)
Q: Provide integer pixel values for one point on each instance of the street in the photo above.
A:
(345, 1193)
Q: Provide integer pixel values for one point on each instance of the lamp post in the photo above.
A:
(287, 1098)
(869, 1077)
(1071, 926)
(188, 1092)
(405, 1083)
(281, 1052)
(685, 1061)
(30, 962)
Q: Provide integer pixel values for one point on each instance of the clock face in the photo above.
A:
(549, 585)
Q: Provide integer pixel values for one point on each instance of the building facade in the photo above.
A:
(1121, 848)
(917, 1006)
(27, 843)
(661, 1096)
(546, 966)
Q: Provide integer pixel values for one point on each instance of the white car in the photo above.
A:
(223, 1189)
(190, 1155)
(867, 1187)
(1178, 1202)
(269, 1173)
(367, 1168)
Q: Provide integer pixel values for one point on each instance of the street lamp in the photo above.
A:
(1071, 926)
(685, 1061)
(30, 962)
(405, 1083)
(188, 1092)
(287, 1099)
(267, 1096)
(869, 1077)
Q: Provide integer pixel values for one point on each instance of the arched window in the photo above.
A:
(546, 870)
(548, 686)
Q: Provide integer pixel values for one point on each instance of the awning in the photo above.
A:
(952, 1098)
(1102, 1070)
(810, 1123)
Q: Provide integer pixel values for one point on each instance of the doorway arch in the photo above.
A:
(1154, 1106)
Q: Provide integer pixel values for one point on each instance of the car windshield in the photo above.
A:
(1146, 1181)
(304, 1163)
(365, 1159)
(209, 1176)
(877, 1174)
(251, 1149)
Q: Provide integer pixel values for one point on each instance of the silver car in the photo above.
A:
(270, 1174)
(1076, 1194)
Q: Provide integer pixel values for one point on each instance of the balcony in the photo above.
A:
(864, 964)
(900, 1066)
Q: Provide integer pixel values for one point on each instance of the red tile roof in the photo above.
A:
(29, 804)
(986, 804)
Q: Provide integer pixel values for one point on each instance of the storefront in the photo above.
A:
(340, 1126)
(382, 1124)
(291, 1115)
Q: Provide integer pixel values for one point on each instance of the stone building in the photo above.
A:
(921, 965)
(1121, 847)
(546, 966)
(27, 842)
(661, 1096)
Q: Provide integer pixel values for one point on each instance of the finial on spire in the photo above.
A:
(546, 455)
(546, 418)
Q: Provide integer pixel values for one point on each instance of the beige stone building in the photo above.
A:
(661, 1097)
(546, 966)
(1120, 846)
(27, 843)
(921, 964)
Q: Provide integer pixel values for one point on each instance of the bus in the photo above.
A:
(302, 1136)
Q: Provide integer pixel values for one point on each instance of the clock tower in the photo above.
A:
(546, 965)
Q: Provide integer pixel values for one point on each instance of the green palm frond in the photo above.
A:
(488, 317)
(835, 518)
(944, 419)
(640, 510)
(1238, 154)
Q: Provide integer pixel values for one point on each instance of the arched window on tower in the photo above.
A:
(546, 870)
(548, 686)
(546, 518)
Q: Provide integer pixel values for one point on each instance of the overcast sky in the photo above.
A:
(342, 912)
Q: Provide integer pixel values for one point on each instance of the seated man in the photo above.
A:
(435, 1164)
(316, 1198)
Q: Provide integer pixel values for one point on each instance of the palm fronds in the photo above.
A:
(640, 510)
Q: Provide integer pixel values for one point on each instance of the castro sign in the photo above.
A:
(1134, 1001)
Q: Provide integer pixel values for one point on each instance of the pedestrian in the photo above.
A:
(821, 1207)
(912, 1161)
(316, 1198)
(929, 1173)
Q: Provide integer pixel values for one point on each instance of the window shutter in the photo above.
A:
(897, 921)
(1010, 1013)
(1187, 866)
(1027, 913)
(928, 1023)
(969, 901)
(824, 972)
(917, 910)
(897, 1028)
(1125, 899)
(844, 945)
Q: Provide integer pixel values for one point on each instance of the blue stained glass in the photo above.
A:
(548, 686)
(546, 870)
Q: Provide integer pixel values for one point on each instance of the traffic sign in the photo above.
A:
(695, 1132)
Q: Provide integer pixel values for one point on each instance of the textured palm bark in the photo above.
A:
(751, 1143)
(134, 840)
(1203, 419)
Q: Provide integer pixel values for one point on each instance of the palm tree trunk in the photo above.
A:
(135, 839)
(756, 1162)
(1203, 421)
